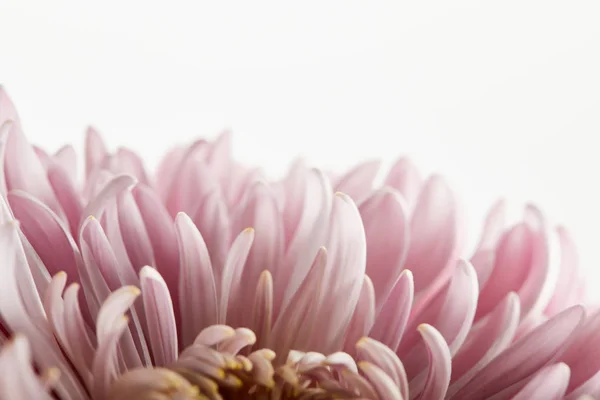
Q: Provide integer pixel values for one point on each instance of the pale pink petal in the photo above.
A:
(66, 158)
(512, 264)
(343, 276)
(16, 317)
(260, 212)
(296, 322)
(213, 221)
(161, 233)
(192, 182)
(404, 177)
(590, 387)
(391, 321)
(358, 182)
(490, 336)
(440, 364)
(166, 171)
(451, 312)
(433, 234)
(46, 233)
(232, 272)
(4, 130)
(133, 232)
(160, 317)
(386, 226)
(310, 235)
(19, 380)
(95, 150)
(293, 189)
(525, 356)
(380, 355)
(25, 172)
(8, 112)
(131, 164)
(382, 383)
(363, 317)
(109, 192)
(548, 384)
(67, 195)
(197, 290)
(567, 279)
(262, 312)
(583, 355)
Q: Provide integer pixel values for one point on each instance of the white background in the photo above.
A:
(503, 97)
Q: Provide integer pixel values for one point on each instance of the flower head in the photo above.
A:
(207, 281)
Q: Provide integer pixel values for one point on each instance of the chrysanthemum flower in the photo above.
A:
(205, 281)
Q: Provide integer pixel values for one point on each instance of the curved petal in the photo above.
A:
(197, 290)
(526, 356)
(451, 312)
(160, 317)
(386, 227)
(358, 182)
(548, 384)
(343, 276)
(440, 363)
(404, 177)
(391, 322)
(433, 234)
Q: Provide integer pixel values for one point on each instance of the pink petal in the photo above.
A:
(95, 150)
(583, 355)
(548, 384)
(160, 317)
(16, 317)
(133, 232)
(512, 264)
(25, 172)
(262, 312)
(19, 380)
(567, 279)
(66, 158)
(110, 191)
(343, 276)
(8, 111)
(212, 219)
(385, 221)
(363, 317)
(193, 181)
(590, 387)
(391, 321)
(380, 355)
(167, 170)
(296, 323)
(67, 195)
(404, 177)
(232, 272)
(197, 290)
(438, 376)
(358, 182)
(310, 235)
(525, 356)
(451, 312)
(433, 233)
(47, 235)
(381, 382)
(490, 336)
(130, 163)
(161, 233)
(260, 212)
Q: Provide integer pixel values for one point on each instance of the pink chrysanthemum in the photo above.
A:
(251, 289)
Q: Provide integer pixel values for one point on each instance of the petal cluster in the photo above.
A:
(206, 280)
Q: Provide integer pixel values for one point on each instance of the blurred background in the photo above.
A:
(503, 98)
